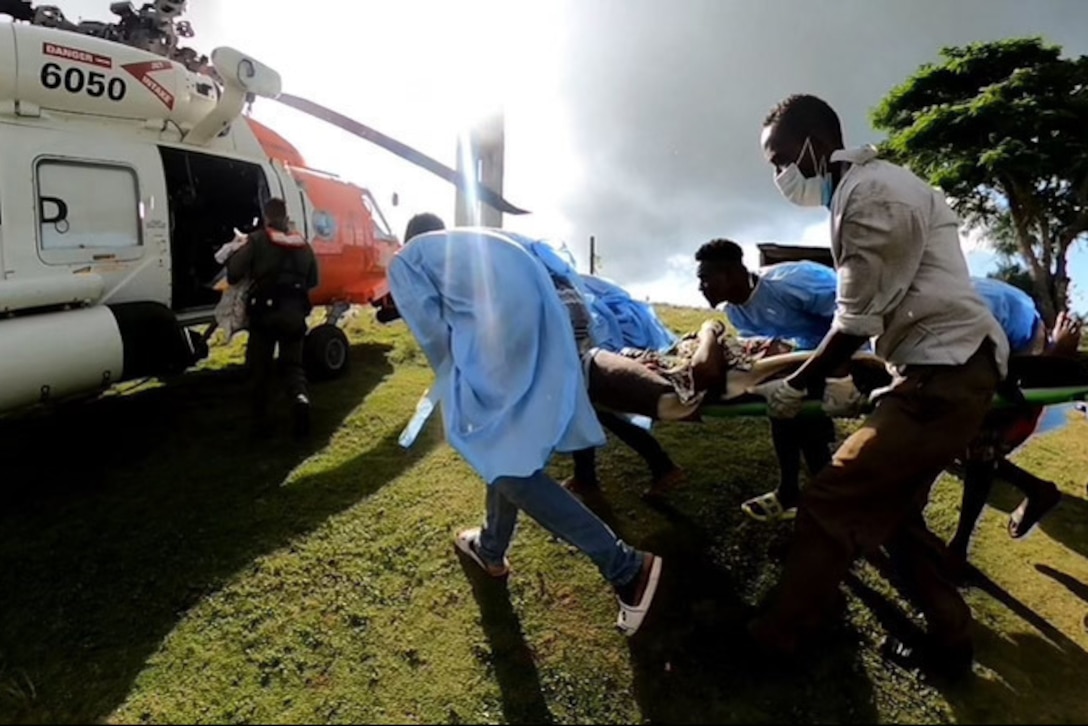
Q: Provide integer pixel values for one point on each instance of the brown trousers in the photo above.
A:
(873, 494)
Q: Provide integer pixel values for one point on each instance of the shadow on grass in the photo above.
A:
(511, 660)
(1032, 676)
(1067, 523)
(1024, 678)
(122, 513)
(691, 662)
(690, 659)
(1022, 611)
(1071, 583)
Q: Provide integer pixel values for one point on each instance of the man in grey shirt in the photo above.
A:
(902, 282)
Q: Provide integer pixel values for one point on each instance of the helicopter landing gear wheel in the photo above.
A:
(326, 353)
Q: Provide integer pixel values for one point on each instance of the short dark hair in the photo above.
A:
(275, 212)
(720, 252)
(803, 114)
(425, 222)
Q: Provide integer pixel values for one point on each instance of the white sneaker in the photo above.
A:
(468, 542)
(630, 617)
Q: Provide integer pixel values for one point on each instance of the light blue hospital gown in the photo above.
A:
(487, 315)
(628, 323)
(795, 301)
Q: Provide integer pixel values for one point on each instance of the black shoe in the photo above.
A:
(300, 415)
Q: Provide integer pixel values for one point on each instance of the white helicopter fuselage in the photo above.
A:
(120, 174)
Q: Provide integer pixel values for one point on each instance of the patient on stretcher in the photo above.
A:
(704, 367)
(713, 366)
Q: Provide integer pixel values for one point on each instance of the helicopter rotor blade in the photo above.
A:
(485, 194)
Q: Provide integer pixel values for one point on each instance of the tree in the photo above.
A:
(1002, 129)
(1009, 271)
(1002, 237)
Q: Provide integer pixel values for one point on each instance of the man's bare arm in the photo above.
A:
(827, 360)
(708, 364)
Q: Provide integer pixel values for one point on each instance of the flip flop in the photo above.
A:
(767, 508)
(1030, 511)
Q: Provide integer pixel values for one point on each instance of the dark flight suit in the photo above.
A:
(283, 270)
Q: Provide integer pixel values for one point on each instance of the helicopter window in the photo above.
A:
(85, 206)
(381, 227)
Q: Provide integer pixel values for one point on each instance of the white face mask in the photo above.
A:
(805, 191)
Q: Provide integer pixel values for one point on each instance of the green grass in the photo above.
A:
(158, 565)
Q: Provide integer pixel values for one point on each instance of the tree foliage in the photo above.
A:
(1010, 271)
(1002, 128)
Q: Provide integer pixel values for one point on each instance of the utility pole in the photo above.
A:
(592, 254)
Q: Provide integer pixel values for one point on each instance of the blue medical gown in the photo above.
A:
(626, 321)
(796, 301)
(618, 320)
(1013, 308)
(563, 270)
(508, 377)
(793, 301)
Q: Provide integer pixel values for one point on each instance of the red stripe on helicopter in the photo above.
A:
(141, 71)
(75, 54)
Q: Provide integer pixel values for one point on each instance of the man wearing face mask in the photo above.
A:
(904, 283)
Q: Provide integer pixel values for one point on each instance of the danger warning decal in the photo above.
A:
(141, 72)
(77, 55)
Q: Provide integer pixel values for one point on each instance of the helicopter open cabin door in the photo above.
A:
(95, 210)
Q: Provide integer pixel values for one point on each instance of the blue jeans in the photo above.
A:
(556, 510)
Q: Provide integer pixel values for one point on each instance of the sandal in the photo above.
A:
(631, 617)
(1031, 510)
(468, 543)
(767, 508)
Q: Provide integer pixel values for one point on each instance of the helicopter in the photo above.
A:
(126, 160)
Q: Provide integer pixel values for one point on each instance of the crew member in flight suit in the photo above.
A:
(283, 269)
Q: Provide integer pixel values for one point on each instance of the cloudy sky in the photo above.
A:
(636, 121)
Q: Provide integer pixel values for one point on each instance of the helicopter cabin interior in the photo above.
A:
(209, 197)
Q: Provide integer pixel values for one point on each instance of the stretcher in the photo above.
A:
(752, 405)
(1043, 381)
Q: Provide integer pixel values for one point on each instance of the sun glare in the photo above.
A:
(423, 72)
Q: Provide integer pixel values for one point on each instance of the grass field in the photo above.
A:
(159, 565)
